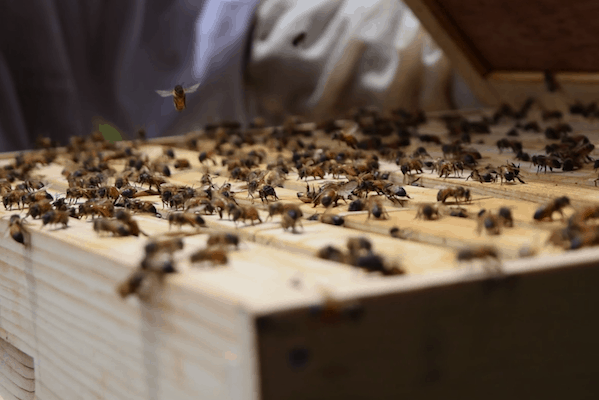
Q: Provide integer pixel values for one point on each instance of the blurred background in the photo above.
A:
(69, 66)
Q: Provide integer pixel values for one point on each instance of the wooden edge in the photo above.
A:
(462, 55)
(538, 76)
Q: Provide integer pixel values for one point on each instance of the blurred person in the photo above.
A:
(65, 62)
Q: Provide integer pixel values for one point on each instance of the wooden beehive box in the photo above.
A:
(258, 327)
(502, 48)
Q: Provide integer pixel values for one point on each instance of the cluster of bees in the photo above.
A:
(360, 254)
(109, 182)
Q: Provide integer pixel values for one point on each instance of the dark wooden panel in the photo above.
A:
(529, 336)
(531, 35)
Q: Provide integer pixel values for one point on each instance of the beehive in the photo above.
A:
(258, 328)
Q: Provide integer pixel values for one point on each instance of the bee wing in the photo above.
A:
(165, 93)
(192, 89)
(346, 188)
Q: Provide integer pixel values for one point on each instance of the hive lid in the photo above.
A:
(501, 48)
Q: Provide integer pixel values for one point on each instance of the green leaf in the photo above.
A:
(109, 133)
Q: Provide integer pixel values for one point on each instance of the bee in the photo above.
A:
(266, 190)
(56, 217)
(105, 210)
(182, 163)
(356, 246)
(309, 195)
(125, 217)
(545, 162)
(114, 226)
(556, 205)
(375, 207)
(514, 145)
(510, 173)
(331, 193)
(12, 198)
(150, 180)
(185, 218)
(331, 253)
(476, 175)
(245, 212)
(399, 233)
(427, 212)
(6, 187)
(141, 206)
(74, 194)
(489, 221)
(223, 239)
(348, 139)
(412, 165)
(505, 215)
(17, 230)
(330, 219)
(314, 172)
(480, 252)
(164, 246)
(457, 193)
(142, 283)
(39, 208)
(207, 156)
(179, 94)
(216, 256)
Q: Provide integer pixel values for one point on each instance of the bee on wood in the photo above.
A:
(141, 206)
(545, 162)
(17, 230)
(532, 126)
(114, 226)
(105, 210)
(477, 176)
(266, 190)
(398, 233)
(458, 193)
(314, 172)
(223, 239)
(514, 145)
(505, 216)
(182, 163)
(331, 193)
(216, 256)
(56, 217)
(39, 208)
(348, 139)
(168, 246)
(125, 217)
(329, 219)
(151, 180)
(376, 209)
(481, 252)
(74, 194)
(331, 253)
(184, 218)
(556, 205)
(510, 173)
(244, 213)
(179, 94)
(489, 221)
(108, 192)
(204, 155)
(412, 165)
(427, 212)
(307, 196)
(6, 187)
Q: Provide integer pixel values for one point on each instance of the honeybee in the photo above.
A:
(142, 283)
(348, 139)
(330, 219)
(182, 163)
(114, 226)
(331, 253)
(178, 95)
(39, 208)
(245, 212)
(185, 218)
(17, 230)
(375, 208)
(457, 193)
(127, 219)
(216, 256)
(428, 212)
(223, 239)
(556, 205)
(331, 193)
(481, 252)
(490, 222)
(168, 246)
(56, 217)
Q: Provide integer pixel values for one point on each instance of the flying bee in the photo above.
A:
(216, 256)
(457, 193)
(556, 205)
(427, 212)
(56, 217)
(178, 94)
(185, 218)
(17, 230)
